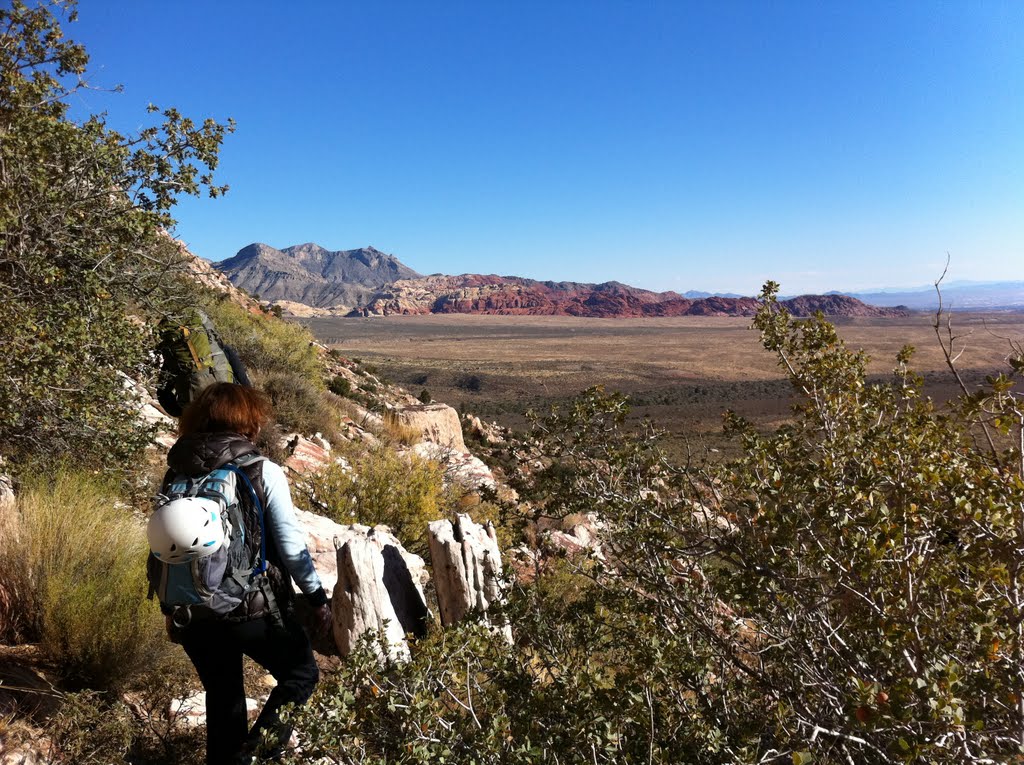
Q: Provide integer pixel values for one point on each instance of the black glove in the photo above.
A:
(321, 622)
(314, 614)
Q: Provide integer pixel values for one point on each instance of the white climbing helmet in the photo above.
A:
(185, 529)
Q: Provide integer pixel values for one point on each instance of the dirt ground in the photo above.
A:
(682, 372)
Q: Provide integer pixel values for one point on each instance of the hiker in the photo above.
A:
(216, 432)
(193, 356)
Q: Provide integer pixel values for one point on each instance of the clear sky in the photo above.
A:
(669, 145)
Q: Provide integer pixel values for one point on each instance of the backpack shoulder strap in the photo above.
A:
(239, 468)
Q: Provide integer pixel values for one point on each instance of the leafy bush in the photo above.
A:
(848, 590)
(402, 492)
(82, 215)
(466, 696)
(72, 560)
(267, 344)
(425, 396)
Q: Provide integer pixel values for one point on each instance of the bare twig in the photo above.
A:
(951, 356)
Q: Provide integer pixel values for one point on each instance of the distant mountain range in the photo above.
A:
(367, 282)
(956, 296)
(312, 275)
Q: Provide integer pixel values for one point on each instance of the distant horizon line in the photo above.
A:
(854, 292)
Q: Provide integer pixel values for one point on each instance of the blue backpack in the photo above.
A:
(231, 584)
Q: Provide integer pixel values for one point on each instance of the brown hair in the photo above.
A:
(226, 407)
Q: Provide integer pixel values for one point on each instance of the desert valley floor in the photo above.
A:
(681, 372)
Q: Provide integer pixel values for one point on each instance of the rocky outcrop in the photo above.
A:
(306, 455)
(462, 468)
(437, 423)
(579, 535)
(303, 311)
(488, 433)
(320, 533)
(376, 593)
(837, 305)
(467, 569)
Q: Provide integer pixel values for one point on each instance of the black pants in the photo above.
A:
(216, 650)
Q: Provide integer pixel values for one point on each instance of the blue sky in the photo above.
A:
(669, 145)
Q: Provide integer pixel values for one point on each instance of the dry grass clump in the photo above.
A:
(299, 405)
(399, 432)
(73, 568)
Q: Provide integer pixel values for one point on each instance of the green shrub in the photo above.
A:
(73, 558)
(74, 263)
(267, 344)
(425, 396)
(91, 729)
(467, 696)
(340, 385)
(404, 493)
(95, 728)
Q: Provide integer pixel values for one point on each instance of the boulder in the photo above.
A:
(151, 412)
(489, 433)
(190, 711)
(568, 543)
(438, 423)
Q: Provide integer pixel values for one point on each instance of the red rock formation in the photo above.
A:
(515, 296)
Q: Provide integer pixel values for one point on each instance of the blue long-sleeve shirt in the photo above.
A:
(283, 529)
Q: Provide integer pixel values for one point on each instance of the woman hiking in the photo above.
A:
(216, 435)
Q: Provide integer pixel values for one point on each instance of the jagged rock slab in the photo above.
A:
(320, 533)
(306, 455)
(467, 569)
(362, 601)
